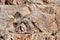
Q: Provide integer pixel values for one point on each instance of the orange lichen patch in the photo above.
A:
(2, 2)
(21, 37)
(49, 10)
(58, 15)
(10, 22)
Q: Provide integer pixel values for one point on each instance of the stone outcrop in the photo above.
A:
(30, 20)
(40, 22)
(23, 2)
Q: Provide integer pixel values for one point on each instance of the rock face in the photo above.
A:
(39, 23)
(23, 2)
(30, 20)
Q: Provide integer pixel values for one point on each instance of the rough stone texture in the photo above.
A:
(23, 2)
(40, 22)
(30, 20)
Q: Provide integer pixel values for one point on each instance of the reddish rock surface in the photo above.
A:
(29, 20)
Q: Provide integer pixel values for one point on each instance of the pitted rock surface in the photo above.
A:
(30, 20)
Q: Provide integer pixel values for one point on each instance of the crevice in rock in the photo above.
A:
(37, 27)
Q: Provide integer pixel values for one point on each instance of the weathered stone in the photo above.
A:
(30, 20)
